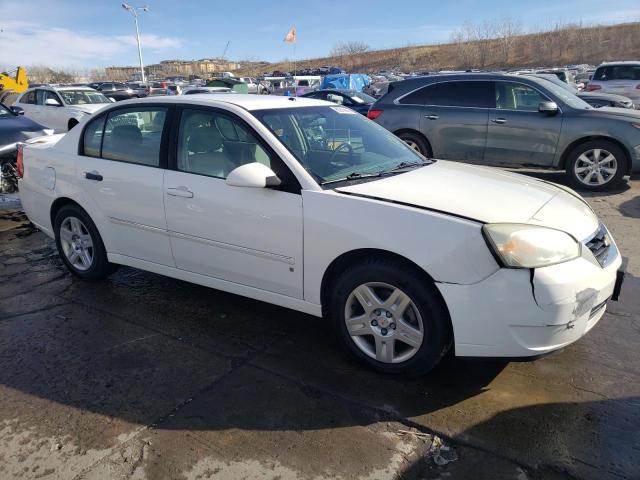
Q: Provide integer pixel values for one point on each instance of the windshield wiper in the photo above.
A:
(407, 165)
(354, 176)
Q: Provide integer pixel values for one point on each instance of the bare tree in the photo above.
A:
(507, 29)
(352, 47)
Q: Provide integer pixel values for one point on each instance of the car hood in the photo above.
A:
(484, 194)
(88, 108)
(19, 128)
(613, 112)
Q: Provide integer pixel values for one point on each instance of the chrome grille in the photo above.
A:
(600, 244)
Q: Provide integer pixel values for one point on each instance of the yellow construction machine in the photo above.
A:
(14, 80)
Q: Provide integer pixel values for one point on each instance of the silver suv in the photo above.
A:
(512, 120)
(622, 78)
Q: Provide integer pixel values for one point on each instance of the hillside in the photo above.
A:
(473, 48)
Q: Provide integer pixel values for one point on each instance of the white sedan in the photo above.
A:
(60, 108)
(311, 206)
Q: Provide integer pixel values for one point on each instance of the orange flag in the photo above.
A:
(291, 36)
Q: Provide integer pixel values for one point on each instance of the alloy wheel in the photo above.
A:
(595, 167)
(413, 145)
(77, 244)
(383, 322)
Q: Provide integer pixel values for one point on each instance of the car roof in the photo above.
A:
(245, 101)
(59, 89)
(622, 62)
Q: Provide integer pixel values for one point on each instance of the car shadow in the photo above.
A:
(592, 439)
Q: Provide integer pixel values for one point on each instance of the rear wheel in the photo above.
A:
(389, 317)
(80, 245)
(596, 165)
(417, 143)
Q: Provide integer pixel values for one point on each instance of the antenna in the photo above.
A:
(225, 50)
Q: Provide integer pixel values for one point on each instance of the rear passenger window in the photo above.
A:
(93, 137)
(452, 94)
(128, 135)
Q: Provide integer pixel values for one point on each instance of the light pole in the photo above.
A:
(133, 9)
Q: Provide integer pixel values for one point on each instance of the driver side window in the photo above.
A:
(516, 96)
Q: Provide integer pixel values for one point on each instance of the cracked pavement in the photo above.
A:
(146, 377)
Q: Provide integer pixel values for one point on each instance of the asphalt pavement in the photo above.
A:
(146, 377)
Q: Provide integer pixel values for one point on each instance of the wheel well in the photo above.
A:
(58, 204)
(580, 141)
(415, 132)
(72, 123)
(347, 259)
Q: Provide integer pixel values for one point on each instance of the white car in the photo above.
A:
(620, 78)
(309, 205)
(60, 108)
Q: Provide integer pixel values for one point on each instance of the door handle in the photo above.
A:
(180, 192)
(499, 120)
(432, 117)
(93, 176)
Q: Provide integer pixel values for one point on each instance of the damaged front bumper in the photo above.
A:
(527, 313)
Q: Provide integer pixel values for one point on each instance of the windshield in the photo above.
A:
(336, 143)
(566, 96)
(82, 97)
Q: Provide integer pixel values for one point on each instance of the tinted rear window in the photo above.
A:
(618, 72)
(453, 94)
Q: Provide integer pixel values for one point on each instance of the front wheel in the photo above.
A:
(80, 245)
(387, 315)
(596, 165)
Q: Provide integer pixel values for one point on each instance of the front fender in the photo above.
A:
(449, 249)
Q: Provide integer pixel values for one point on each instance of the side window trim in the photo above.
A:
(293, 185)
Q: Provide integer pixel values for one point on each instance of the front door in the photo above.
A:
(249, 236)
(518, 133)
(121, 170)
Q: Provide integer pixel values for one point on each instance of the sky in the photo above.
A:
(98, 33)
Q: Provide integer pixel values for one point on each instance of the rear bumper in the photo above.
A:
(515, 313)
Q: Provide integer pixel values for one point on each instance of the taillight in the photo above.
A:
(593, 88)
(20, 161)
(373, 114)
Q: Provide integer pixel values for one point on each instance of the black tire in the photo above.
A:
(437, 333)
(72, 123)
(418, 142)
(100, 268)
(612, 181)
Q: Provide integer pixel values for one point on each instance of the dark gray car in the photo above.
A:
(502, 119)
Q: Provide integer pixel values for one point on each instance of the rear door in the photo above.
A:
(121, 168)
(519, 134)
(454, 118)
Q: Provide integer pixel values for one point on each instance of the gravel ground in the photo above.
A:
(142, 376)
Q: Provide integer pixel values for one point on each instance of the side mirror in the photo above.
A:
(52, 102)
(17, 110)
(254, 175)
(548, 108)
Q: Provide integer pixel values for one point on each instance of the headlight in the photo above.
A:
(530, 246)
